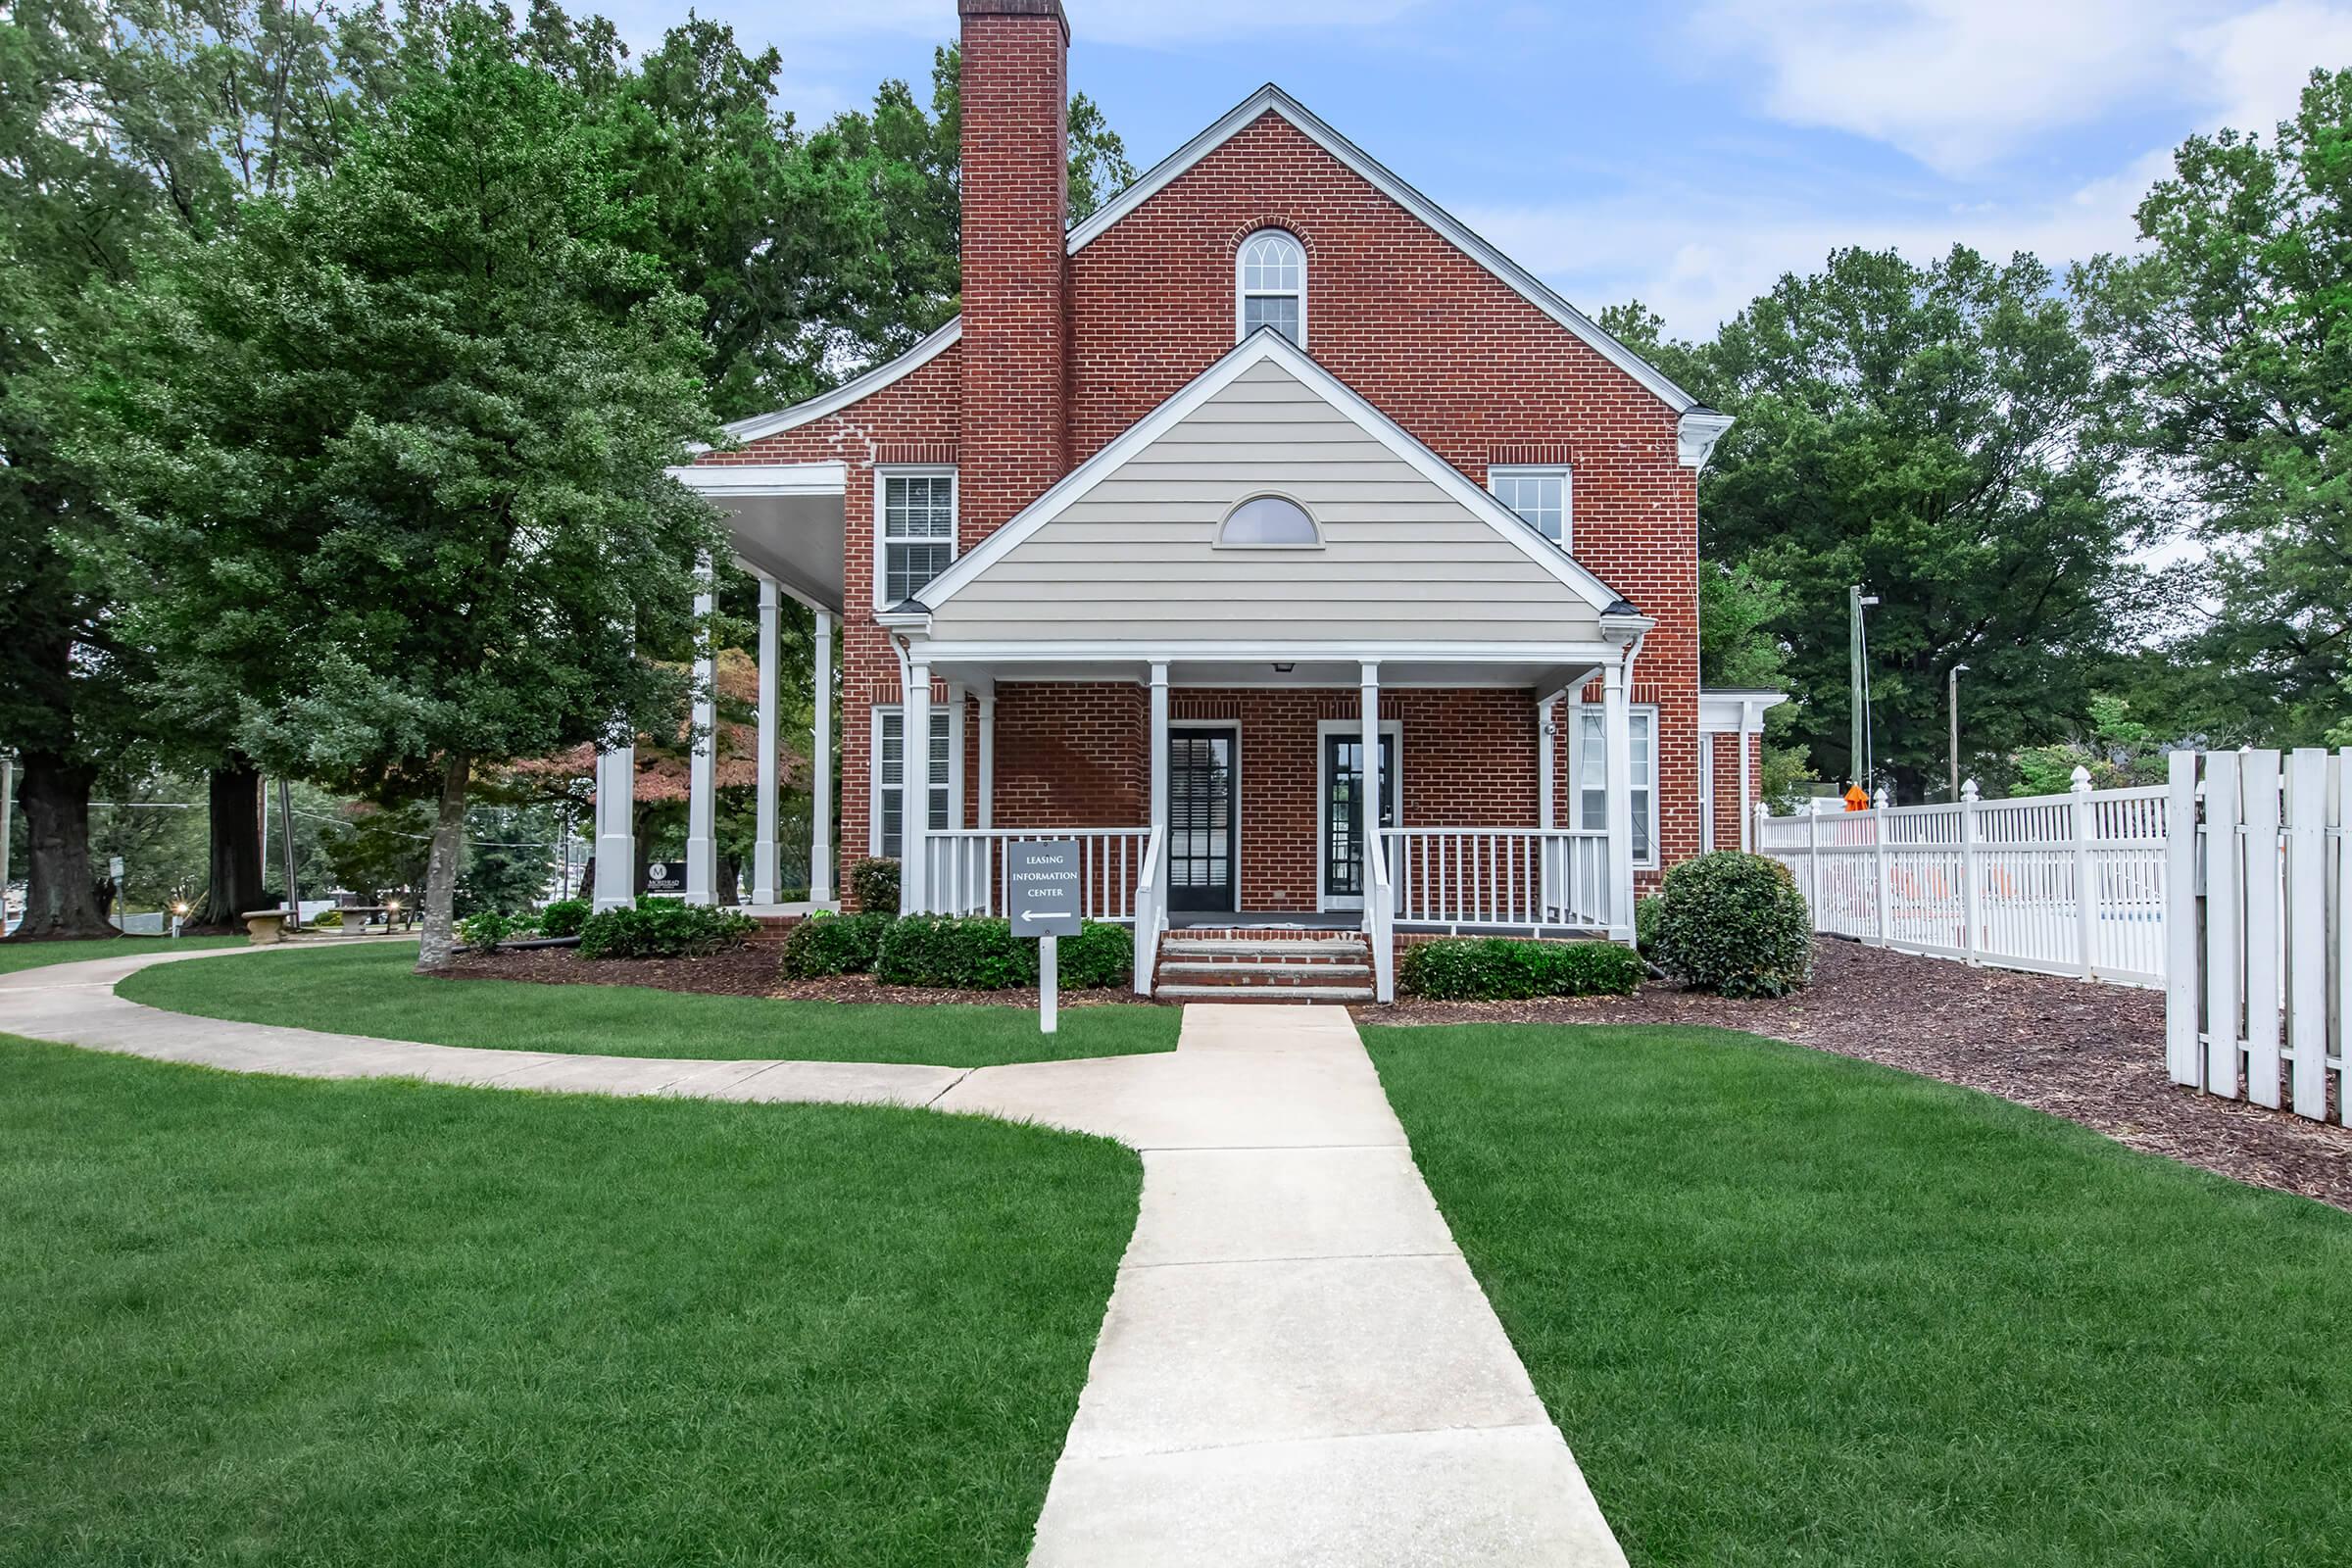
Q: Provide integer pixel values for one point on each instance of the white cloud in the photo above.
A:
(1144, 23)
(1958, 84)
(2251, 69)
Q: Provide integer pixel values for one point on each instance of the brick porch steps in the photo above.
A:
(1242, 965)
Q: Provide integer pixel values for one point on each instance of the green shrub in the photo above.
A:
(1735, 924)
(1645, 927)
(663, 928)
(975, 954)
(486, 929)
(325, 921)
(1514, 968)
(874, 884)
(833, 944)
(565, 917)
(1098, 957)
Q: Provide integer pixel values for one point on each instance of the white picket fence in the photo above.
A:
(2059, 884)
(2261, 927)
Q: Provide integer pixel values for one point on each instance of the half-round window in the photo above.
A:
(1270, 285)
(1269, 521)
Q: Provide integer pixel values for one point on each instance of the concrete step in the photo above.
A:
(1267, 973)
(1270, 994)
(1281, 949)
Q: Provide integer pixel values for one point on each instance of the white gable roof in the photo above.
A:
(1272, 100)
(1506, 531)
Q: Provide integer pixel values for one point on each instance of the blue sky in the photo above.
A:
(1684, 154)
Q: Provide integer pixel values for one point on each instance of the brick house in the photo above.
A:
(1266, 493)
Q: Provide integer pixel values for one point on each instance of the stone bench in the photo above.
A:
(265, 927)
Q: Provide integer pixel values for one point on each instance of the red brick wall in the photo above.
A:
(1016, 198)
(1073, 756)
(1730, 808)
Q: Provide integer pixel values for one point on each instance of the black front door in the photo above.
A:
(1204, 807)
(1343, 813)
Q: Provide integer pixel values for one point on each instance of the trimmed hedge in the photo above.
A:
(1735, 924)
(976, 955)
(1515, 969)
(565, 917)
(664, 928)
(874, 884)
(834, 944)
(486, 929)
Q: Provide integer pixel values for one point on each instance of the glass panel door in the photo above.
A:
(1344, 815)
(1202, 817)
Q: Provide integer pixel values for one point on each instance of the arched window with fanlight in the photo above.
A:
(1269, 522)
(1270, 285)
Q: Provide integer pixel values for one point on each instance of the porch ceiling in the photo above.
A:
(794, 539)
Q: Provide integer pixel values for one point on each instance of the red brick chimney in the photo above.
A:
(1016, 429)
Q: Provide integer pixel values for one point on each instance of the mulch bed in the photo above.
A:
(747, 971)
(2086, 1051)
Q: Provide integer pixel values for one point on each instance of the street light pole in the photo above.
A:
(1952, 707)
(1858, 669)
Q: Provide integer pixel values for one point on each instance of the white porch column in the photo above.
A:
(1748, 815)
(914, 815)
(987, 755)
(615, 836)
(764, 852)
(820, 805)
(1617, 747)
(701, 778)
(956, 707)
(1547, 714)
(1160, 771)
(1368, 695)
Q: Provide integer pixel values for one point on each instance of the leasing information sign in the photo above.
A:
(1045, 882)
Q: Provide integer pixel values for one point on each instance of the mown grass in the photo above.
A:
(266, 1321)
(16, 956)
(373, 990)
(1796, 1309)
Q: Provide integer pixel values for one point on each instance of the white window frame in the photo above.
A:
(1242, 296)
(1312, 521)
(875, 843)
(1575, 769)
(883, 474)
(1539, 471)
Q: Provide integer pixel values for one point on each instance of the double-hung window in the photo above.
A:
(1592, 768)
(890, 778)
(1543, 498)
(917, 509)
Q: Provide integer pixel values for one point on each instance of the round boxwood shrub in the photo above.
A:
(1735, 924)
(1514, 969)
(564, 917)
(664, 928)
(827, 944)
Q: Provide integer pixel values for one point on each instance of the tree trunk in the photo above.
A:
(61, 895)
(236, 847)
(441, 866)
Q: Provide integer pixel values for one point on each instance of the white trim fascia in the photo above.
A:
(1392, 730)
(841, 397)
(1696, 434)
(1488, 652)
(716, 479)
(1271, 99)
(884, 472)
(1727, 711)
(1259, 347)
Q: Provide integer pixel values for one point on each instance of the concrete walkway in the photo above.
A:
(1296, 1366)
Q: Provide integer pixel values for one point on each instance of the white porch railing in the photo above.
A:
(1503, 877)
(1380, 918)
(1150, 911)
(2059, 884)
(966, 869)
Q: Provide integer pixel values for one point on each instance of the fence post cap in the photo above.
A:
(1969, 792)
(1882, 801)
(2082, 777)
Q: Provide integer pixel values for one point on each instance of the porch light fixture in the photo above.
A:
(1284, 670)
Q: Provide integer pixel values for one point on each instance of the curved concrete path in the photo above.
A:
(1296, 1366)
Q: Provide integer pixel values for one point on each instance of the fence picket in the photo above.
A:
(2181, 1057)
(2340, 922)
(2223, 956)
(2307, 930)
(2259, 778)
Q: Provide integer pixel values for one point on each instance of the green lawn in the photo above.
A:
(266, 1321)
(1797, 1309)
(371, 991)
(14, 956)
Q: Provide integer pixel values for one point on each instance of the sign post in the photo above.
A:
(1044, 882)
